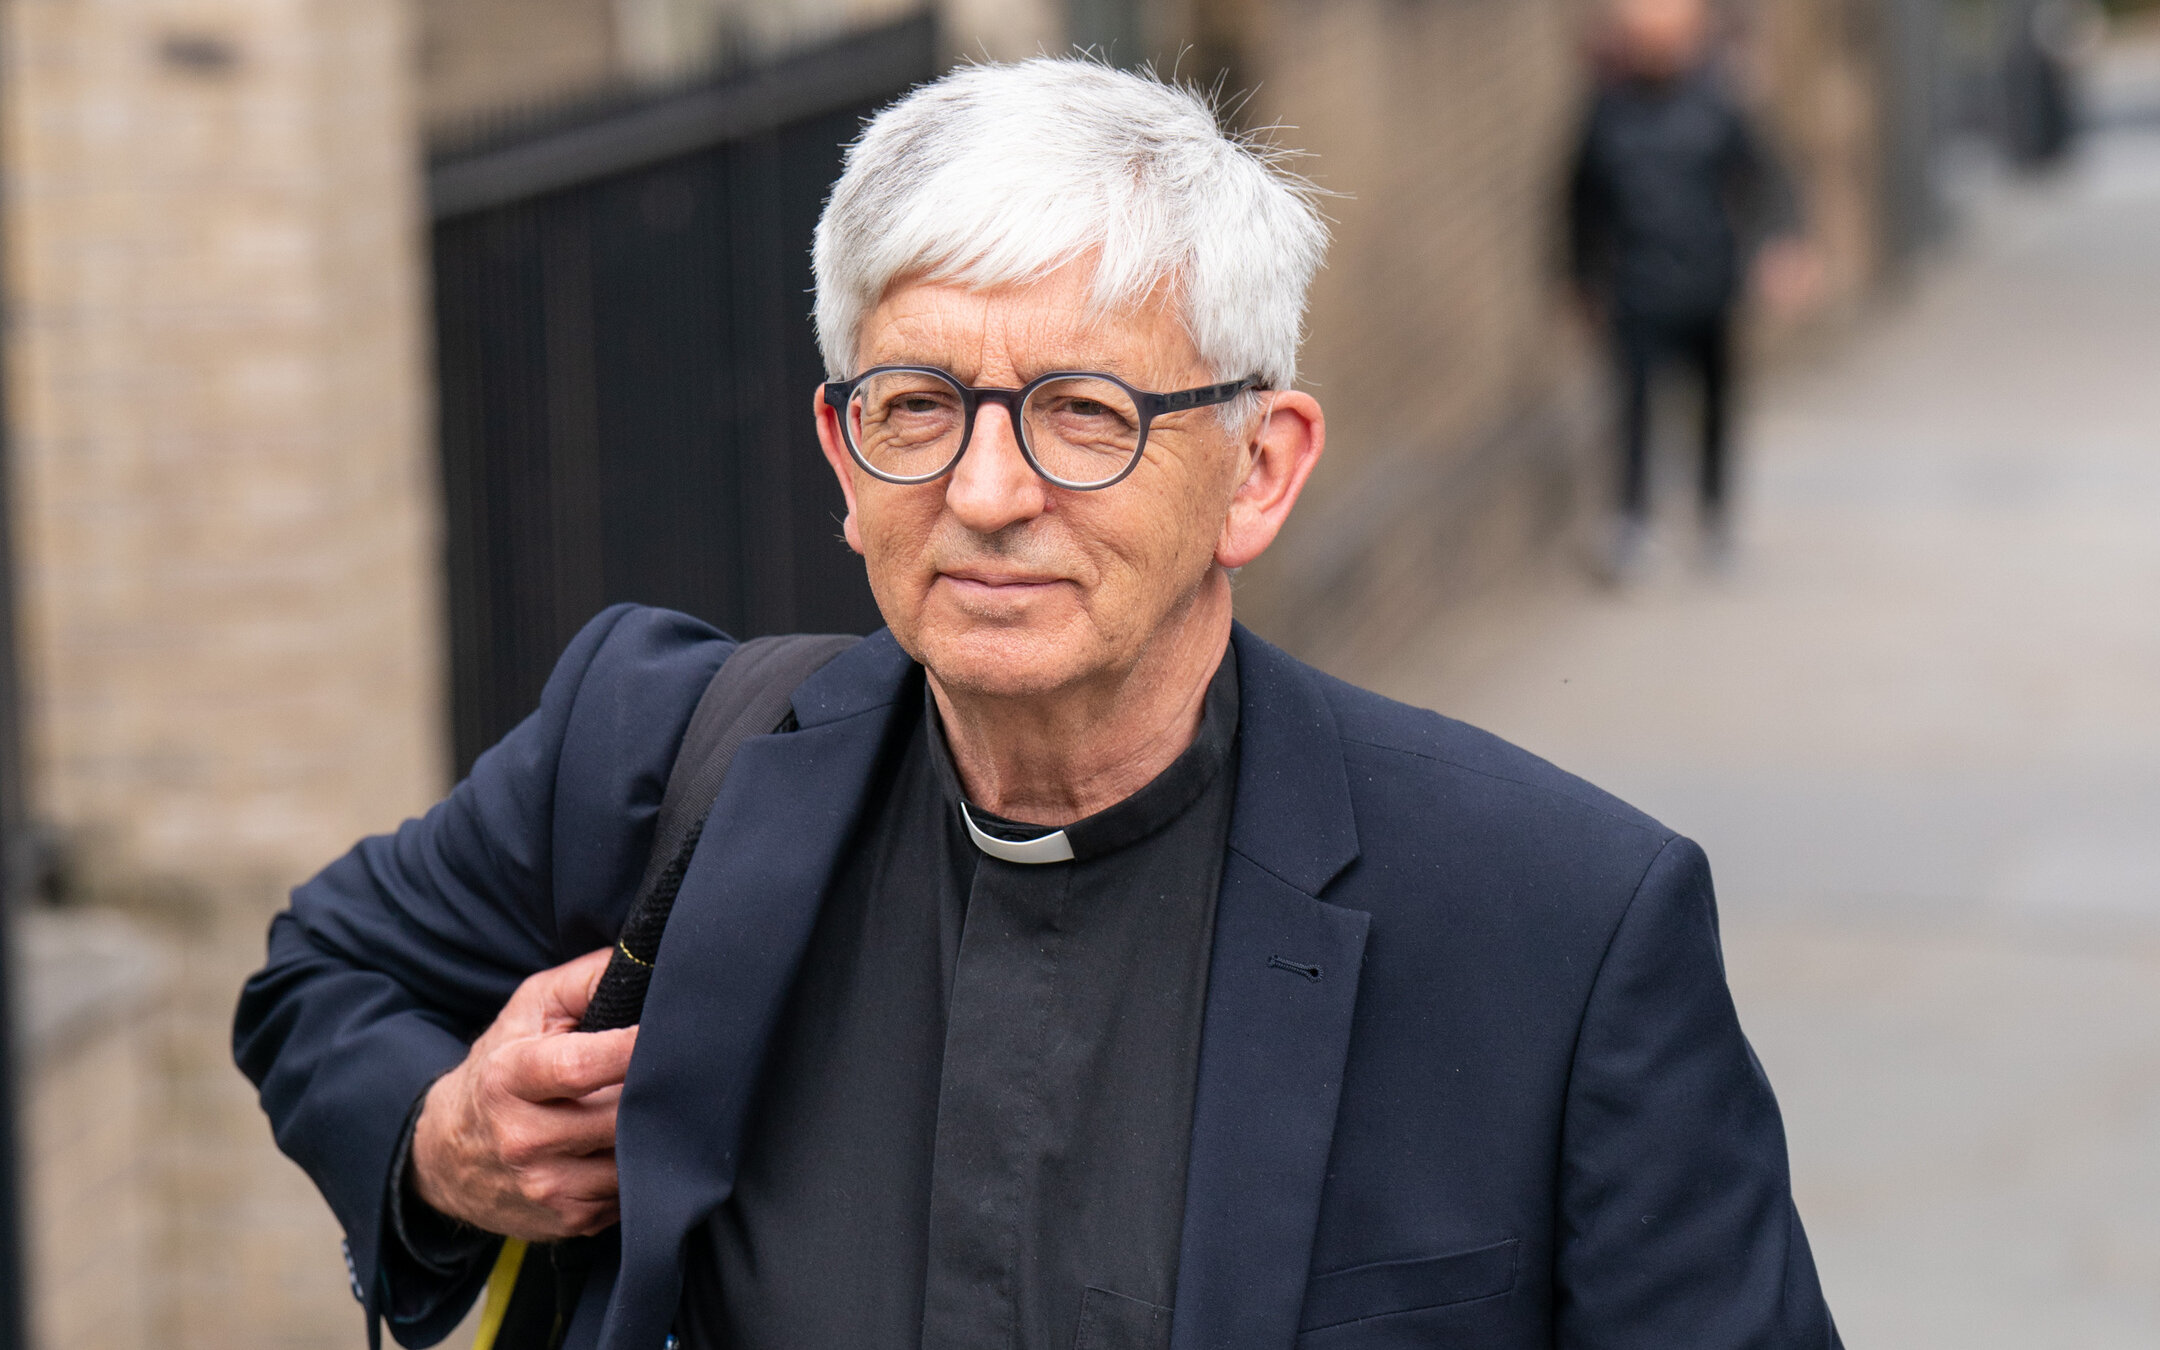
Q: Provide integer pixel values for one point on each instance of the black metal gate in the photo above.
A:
(626, 366)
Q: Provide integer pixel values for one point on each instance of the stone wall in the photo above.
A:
(481, 58)
(222, 500)
(222, 486)
(1816, 69)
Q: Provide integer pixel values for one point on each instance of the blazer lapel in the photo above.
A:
(1282, 988)
(737, 932)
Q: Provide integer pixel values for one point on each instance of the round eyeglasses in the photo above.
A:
(1078, 429)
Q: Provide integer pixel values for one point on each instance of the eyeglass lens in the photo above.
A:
(911, 425)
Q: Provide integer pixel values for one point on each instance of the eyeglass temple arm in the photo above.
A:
(1205, 394)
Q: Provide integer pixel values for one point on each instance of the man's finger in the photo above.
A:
(567, 1198)
(583, 1128)
(576, 1195)
(559, 994)
(590, 1180)
(568, 1064)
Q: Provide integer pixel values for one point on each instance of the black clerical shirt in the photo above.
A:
(971, 1131)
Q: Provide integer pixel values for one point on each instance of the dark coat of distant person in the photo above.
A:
(1671, 191)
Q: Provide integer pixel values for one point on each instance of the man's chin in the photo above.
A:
(1002, 661)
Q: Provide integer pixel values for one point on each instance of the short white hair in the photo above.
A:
(1001, 174)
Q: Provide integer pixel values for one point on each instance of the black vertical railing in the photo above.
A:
(626, 366)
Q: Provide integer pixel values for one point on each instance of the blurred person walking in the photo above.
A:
(2049, 41)
(1673, 193)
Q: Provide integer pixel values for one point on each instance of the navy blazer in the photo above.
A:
(1469, 1076)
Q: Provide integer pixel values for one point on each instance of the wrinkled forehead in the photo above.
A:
(1018, 330)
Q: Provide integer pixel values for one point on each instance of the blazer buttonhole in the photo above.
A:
(1294, 967)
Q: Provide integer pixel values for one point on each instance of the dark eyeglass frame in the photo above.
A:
(1150, 406)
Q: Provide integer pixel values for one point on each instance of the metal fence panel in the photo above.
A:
(626, 365)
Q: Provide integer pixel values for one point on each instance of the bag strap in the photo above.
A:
(532, 1296)
(751, 694)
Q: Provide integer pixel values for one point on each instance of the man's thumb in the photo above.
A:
(563, 992)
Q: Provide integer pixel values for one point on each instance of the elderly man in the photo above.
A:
(1071, 968)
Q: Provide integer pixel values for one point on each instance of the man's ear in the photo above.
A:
(1278, 460)
(836, 455)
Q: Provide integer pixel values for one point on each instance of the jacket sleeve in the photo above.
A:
(1589, 221)
(1766, 200)
(1677, 1224)
(390, 961)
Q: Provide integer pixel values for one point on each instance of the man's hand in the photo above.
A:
(520, 1138)
(1586, 307)
(1790, 276)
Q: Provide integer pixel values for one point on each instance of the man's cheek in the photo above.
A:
(899, 563)
(1159, 545)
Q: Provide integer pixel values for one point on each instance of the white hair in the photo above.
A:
(1000, 174)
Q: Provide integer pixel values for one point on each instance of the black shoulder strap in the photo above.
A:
(749, 695)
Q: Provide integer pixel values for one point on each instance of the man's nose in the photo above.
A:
(992, 486)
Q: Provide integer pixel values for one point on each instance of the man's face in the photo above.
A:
(997, 581)
(1663, 38)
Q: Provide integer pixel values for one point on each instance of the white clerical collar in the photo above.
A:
(1053, 847)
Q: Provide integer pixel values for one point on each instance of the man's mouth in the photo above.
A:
(992, 579)
(994, 589)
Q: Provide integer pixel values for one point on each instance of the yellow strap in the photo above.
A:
(501, 1281)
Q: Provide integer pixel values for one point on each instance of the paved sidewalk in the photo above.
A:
(1918, 729)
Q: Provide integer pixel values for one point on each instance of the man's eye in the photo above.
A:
(924, 404)
(1088, 410)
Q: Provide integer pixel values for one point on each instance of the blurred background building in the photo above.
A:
(358, 350)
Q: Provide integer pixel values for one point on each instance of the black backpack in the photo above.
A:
(534, 1289)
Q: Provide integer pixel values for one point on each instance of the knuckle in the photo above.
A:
(518, 1145)
(545, 1189)
(490, 1076)
(529, 1070)
(569, 1060)
(545, 1193)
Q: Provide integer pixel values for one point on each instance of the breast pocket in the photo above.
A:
(1365, 1295)
(1114, 1322)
